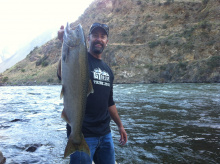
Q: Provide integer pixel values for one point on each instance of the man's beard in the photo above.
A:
(97, 50)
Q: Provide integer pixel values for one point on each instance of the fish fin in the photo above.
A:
(72, 147)
(64, 116)
(61, 93)
(67, 56)
(63, 57)
(90, 88)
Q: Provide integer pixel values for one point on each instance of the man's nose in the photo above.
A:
(98, 38)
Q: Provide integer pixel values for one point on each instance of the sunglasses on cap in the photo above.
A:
(103, 26)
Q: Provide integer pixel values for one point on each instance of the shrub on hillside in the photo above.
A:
(5, 79)
(213, 62)
(50, 80)
(45, 63)
(166, 16)
(205, 1)
(42, 61)
(154, 44)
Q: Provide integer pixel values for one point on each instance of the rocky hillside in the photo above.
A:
(22, 52)
(151, 41)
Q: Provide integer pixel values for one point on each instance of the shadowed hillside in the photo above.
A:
(150, 41)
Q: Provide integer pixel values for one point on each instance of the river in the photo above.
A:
(165, 123)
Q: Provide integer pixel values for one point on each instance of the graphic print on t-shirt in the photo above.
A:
(101, 77)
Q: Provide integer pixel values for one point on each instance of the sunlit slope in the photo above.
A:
(149, 42)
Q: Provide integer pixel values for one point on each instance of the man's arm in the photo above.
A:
(60, 33)
(114, 115)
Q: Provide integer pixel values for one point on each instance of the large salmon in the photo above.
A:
(75, 86)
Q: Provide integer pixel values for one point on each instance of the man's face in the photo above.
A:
(97, 41)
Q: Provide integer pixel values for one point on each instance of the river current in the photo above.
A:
(165, 123)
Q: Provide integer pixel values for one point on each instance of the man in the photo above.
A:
(100, 105)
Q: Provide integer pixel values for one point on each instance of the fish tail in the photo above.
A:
(72, 147)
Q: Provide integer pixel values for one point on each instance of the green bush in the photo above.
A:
(154, 44)
(50, 80)
(188, 32)
(124, 34)
(205, 25)
(35, 48)
(182, 65)
(164, 26)
(189, 46)
(167, 42)
(45, 63)
(168, 2)
(213, 62)
(162, 67)
(145, 27)
(205, 1)
(131, 40)
(150, 66)
(118, 10)
(42, 61)
(138, 2)
(5, 79)
(211, 42)
(166, 16)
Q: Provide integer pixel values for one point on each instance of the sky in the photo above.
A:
(22, 20)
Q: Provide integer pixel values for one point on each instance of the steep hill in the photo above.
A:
(23, 51)
(150, 41)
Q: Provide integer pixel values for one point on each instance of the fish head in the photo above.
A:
(73, 35)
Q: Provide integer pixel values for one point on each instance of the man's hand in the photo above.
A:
(123, 134)
(114, 115)
(60, 33)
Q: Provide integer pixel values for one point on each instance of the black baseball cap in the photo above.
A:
(103, 26)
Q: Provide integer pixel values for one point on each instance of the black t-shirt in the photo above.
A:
(97, 119)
